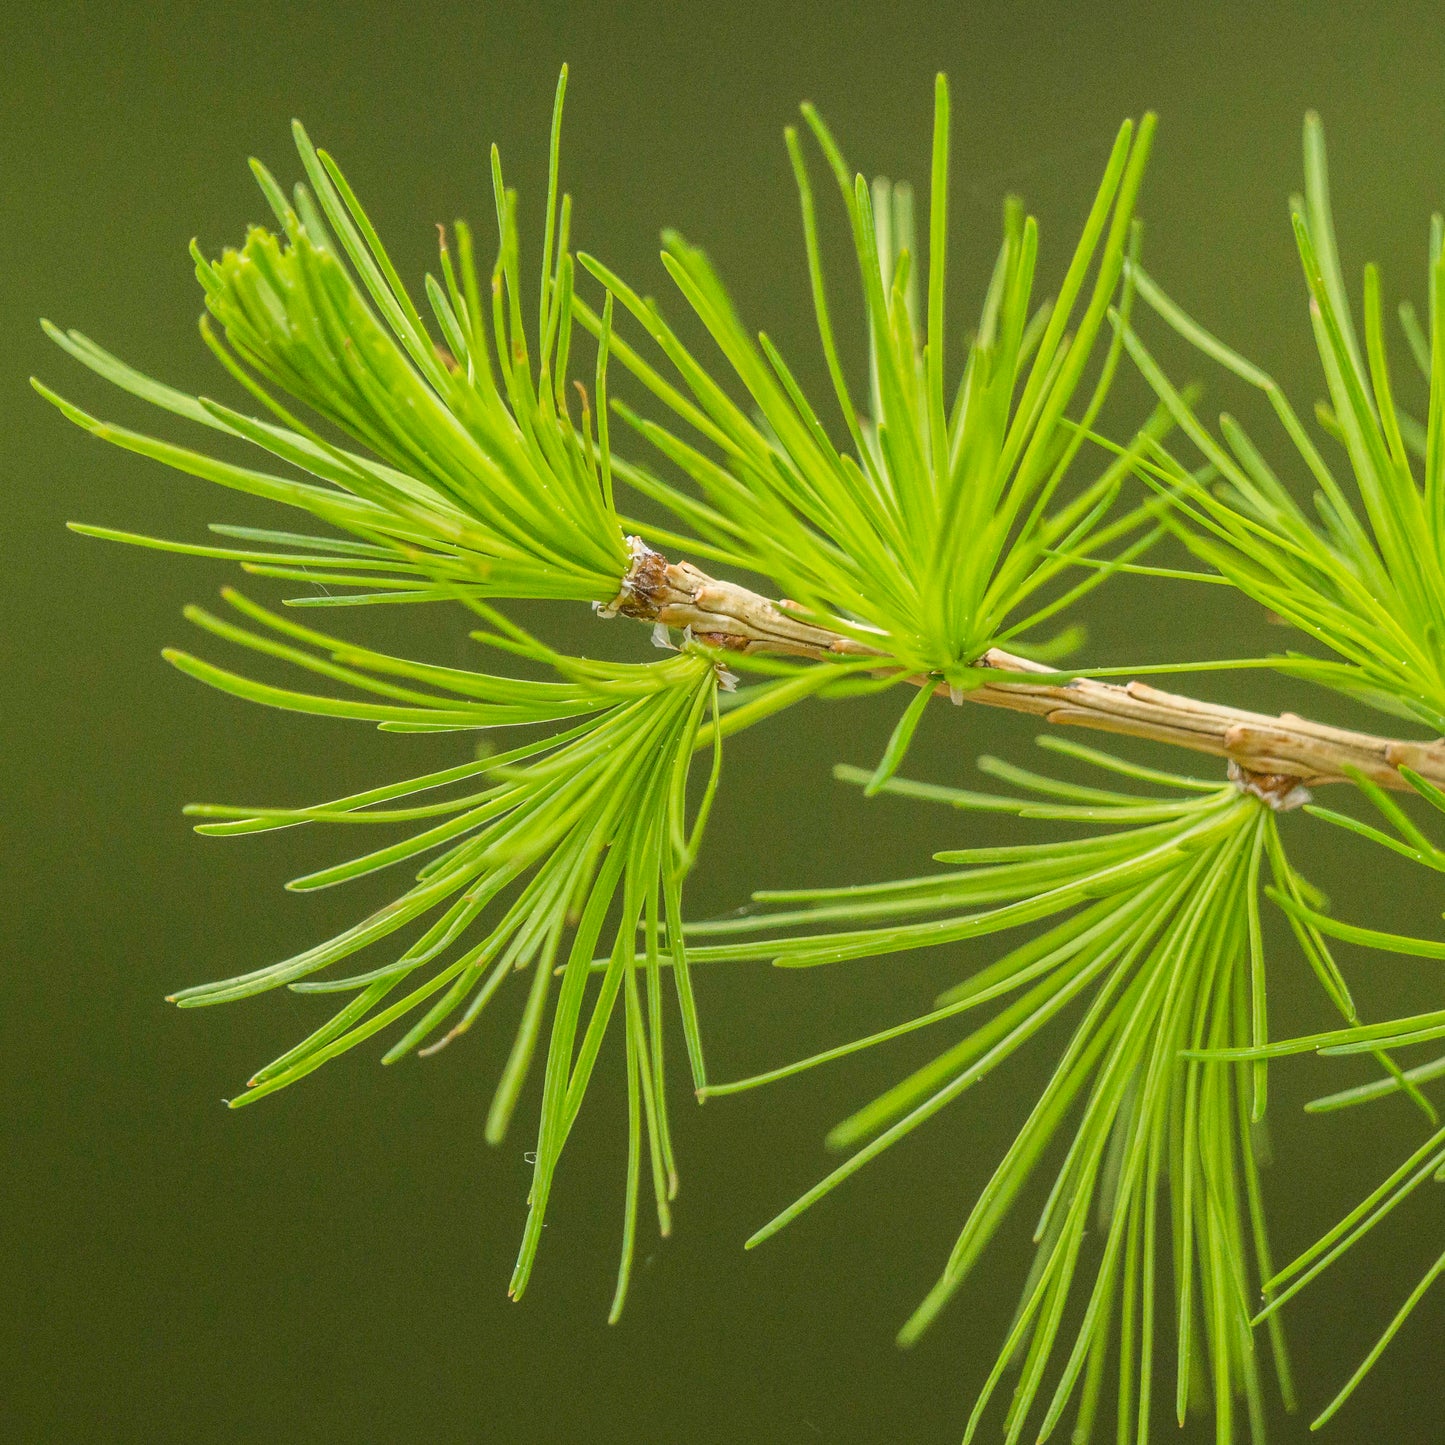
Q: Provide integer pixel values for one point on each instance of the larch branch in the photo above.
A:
(1273, 756)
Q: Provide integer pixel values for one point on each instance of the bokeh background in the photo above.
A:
(331, 1266)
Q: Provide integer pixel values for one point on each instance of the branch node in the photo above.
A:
(646, 575)
(1279, 791)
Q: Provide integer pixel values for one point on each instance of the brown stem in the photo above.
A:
(1273, 757)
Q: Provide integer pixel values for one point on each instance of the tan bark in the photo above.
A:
(1275, 757)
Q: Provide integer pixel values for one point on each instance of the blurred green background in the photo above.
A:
(332, 1265)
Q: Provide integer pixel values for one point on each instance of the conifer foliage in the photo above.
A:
(538, 431)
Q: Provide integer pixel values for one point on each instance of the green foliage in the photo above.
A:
(1366, 581)
(1154, 940)
(1428, 1161)
(938, 533)
(442, 458)
(474, 480)
(577, 831)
